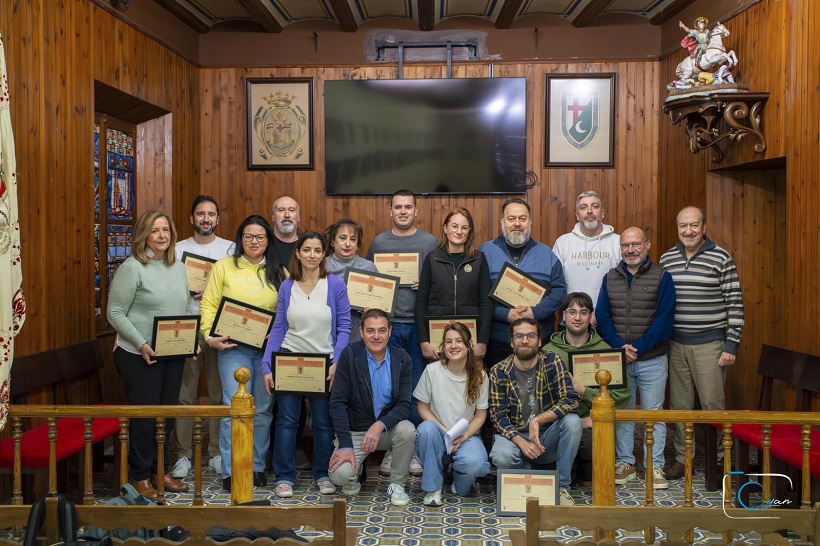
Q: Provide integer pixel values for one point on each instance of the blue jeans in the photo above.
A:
(560, 441)
(404, 336)
(648, 376)
(284, 463)
(469, 461)
(231, 360)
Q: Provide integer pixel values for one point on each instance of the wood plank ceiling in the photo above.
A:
(275, 15)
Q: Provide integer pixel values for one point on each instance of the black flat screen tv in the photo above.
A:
(438, 136)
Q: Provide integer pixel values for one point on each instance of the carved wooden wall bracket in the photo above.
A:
(703, 113)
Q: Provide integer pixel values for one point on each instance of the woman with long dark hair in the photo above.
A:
(450, 390)
(253, 276)
(313, 316)
(150, 283)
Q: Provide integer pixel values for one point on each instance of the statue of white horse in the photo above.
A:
(714, 56)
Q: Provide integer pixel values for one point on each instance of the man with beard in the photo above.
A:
(708, 322)
(590, 249)
(636, 310)
(404, 236)
(577, 312)
(285, 228)
(514, 246)
(205, 219)
(532, 405)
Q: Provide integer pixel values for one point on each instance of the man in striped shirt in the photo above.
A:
(708, 322)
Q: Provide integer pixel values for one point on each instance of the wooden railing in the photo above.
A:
(241, 412)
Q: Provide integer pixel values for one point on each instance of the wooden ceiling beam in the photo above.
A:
(590, 12)
(672, 9)
(261, 15)
(176, 9)
(344, 15)
(508, 12)
(427, 14)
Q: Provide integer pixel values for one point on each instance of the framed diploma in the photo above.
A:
(367, 289)
(513, 287)
(245, 324)
(436, 326)
(584, 364)
(175, 337)
(515, 486)
(404, 265)
(197, 269)
(300, 373)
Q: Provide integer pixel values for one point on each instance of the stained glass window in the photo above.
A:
(114, 142)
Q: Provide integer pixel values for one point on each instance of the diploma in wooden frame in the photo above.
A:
(584, 364)
(244, 324)
(175, 337)
(515, 486)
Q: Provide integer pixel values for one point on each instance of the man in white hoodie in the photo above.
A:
(590, 250)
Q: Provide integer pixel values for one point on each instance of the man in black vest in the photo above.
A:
(636, 311)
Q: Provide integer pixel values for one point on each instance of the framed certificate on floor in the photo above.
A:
(514, 486)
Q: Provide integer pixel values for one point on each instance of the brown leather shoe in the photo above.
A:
(171, 484)
(145, 488)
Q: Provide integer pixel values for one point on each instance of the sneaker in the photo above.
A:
(397, 495)
(624, 472)
(384, 468)
(565, 498)
(216, 463)
(453, 489)
(351, 489)
(326, 487)
(181, 468)
(433, 498)
(302, 461)
(415, 466)
(658, 479)
(259, 479)
(284, 490)
(674, 471)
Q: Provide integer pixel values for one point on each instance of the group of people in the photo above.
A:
(390, 387)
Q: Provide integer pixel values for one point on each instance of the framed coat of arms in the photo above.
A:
(280, 123)
(580, 120)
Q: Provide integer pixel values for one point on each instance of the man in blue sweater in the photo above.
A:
(636, 310)
(516, 247)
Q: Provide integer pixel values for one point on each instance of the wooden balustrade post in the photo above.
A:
(603, 453)
(52, 454)
(242, 412)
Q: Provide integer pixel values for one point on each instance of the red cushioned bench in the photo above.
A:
(59, 376)
(802, 371)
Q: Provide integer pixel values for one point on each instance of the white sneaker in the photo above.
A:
(658, 479)
(216, 464)
(181, 468)
(453, 489)
(397, 495)
(384, 468)
(565, 498)
(433, 498)
(415, 466)
(351, 489)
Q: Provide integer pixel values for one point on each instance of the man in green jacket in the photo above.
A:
(577, 312)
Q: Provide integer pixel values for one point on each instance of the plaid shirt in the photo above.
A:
(553, 389)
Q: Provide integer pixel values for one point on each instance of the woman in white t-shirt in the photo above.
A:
(450, 390)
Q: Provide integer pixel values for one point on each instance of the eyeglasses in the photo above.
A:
(627, 246)
(260, 238)
(456, 227)
(573, 312)
(531, 336)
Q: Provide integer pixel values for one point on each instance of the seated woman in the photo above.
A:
(150, 283)
(342, 240)
(313, 316)
(253, 276)
(452, 389)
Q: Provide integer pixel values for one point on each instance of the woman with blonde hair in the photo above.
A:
(450, 390)
(150, 283)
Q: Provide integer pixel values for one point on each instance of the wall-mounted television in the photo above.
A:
(435, 136)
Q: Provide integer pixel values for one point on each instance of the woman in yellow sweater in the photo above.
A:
(253, 276)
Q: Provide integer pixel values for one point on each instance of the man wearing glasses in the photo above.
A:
(636, 310)
(532, 405)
